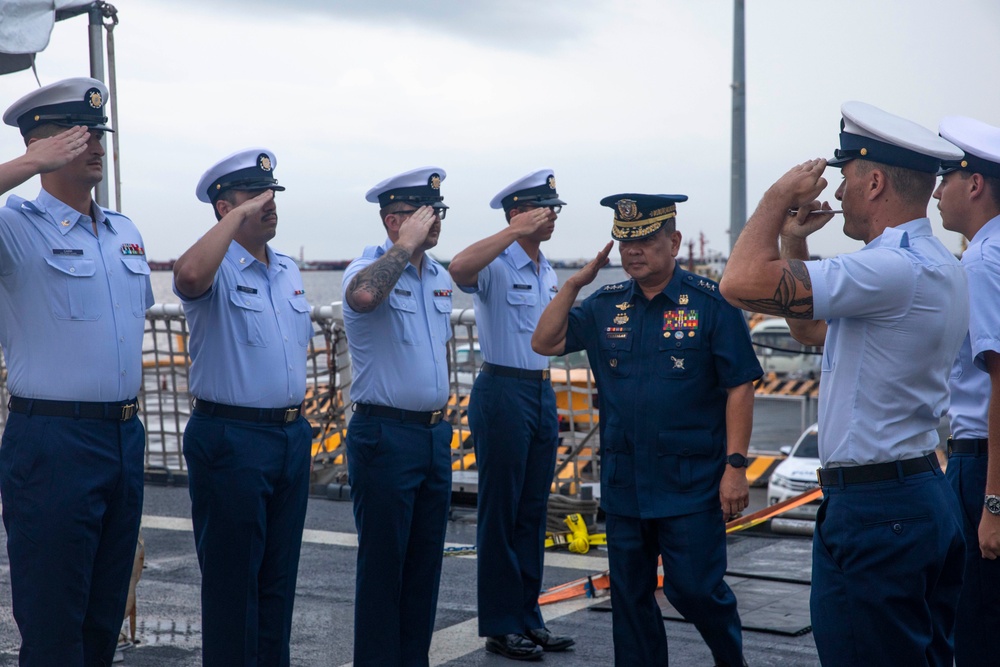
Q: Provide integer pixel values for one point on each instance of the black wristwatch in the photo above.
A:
(992, 504)
(737, 460)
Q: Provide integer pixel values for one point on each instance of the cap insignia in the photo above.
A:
(627, 210)
(552, 182)
(435, 182)
(264, 162)
(93, 97)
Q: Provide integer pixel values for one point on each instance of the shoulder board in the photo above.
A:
(703, 284)
(615, 287)
(371, 251)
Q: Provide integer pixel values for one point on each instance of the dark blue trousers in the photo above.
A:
(516, 432)
(249, 486)
(977, 626)
(887, 573)
(693, 548)
(400, 475)
(72, 500)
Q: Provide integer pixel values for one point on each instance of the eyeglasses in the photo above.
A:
(441, 212)
(555, 209)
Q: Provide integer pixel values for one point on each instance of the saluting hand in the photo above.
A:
(414, 229)
(529, 222)
(804, 222)
(252, 208)
(586, 275)
(802, 183)
(52, 153)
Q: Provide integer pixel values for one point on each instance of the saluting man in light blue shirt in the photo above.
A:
(397, 313)
(247, 446)
(888, 550)
(74, 289)
(969, 200)
(512, 414)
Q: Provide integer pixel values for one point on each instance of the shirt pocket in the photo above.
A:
(404, 318)
(617, 458)
(688, 460)
(137, 275)
(78, 293)
(523, 305)
(616, 353)
(249, 318)
(443, 307)
(678, 356)
(302, 320)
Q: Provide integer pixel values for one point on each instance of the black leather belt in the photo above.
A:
(520, 373)
(977, 446)
(267, 415)
(877, 472)
(120, 411)
(384, 411)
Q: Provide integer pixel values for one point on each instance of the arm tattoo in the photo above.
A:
(785, 302)
(377, 279)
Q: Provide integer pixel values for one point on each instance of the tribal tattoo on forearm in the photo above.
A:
(785, 303)
(377, 279)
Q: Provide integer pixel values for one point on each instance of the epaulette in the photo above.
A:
(706, 285)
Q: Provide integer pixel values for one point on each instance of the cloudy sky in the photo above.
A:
(614, 95)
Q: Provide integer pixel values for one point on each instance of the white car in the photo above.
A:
(796, 475)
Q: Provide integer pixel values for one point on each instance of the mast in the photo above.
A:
(738, 192)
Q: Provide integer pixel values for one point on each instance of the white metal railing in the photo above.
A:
(166, 401)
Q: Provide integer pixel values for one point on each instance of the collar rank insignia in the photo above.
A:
(299, 292)
(442, 292)
(611, 288)
(682, 318)
(707, 285)
(678, 362)
(683, 299)
(133, 249)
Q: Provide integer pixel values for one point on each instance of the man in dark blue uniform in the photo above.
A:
(675, 367)
(74, 289)
(247, 446)
(397, 313)
(513, 416)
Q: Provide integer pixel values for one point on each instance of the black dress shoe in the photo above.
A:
(548, 641)
(514, 646)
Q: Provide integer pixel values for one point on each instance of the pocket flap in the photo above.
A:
(688, 442)
(300, 304)
(136, 265)
(404, 303)
(522, 298)
(80, 268)
(246, 301)
(442, 305)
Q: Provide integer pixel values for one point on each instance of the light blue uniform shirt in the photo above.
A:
(897, 311)
(509, 298)
(970, 384)
(72, 304)
(250, 333)
(399, 350)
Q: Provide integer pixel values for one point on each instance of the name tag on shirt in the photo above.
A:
(68, 251)
(403, 292)
(524, 287)
(245, 289)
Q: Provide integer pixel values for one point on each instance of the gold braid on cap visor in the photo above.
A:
(631, 229)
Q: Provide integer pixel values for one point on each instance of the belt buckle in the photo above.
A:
(436, 417)
(546, 373)
(129, 411)
(819, 477)
(291, 414)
